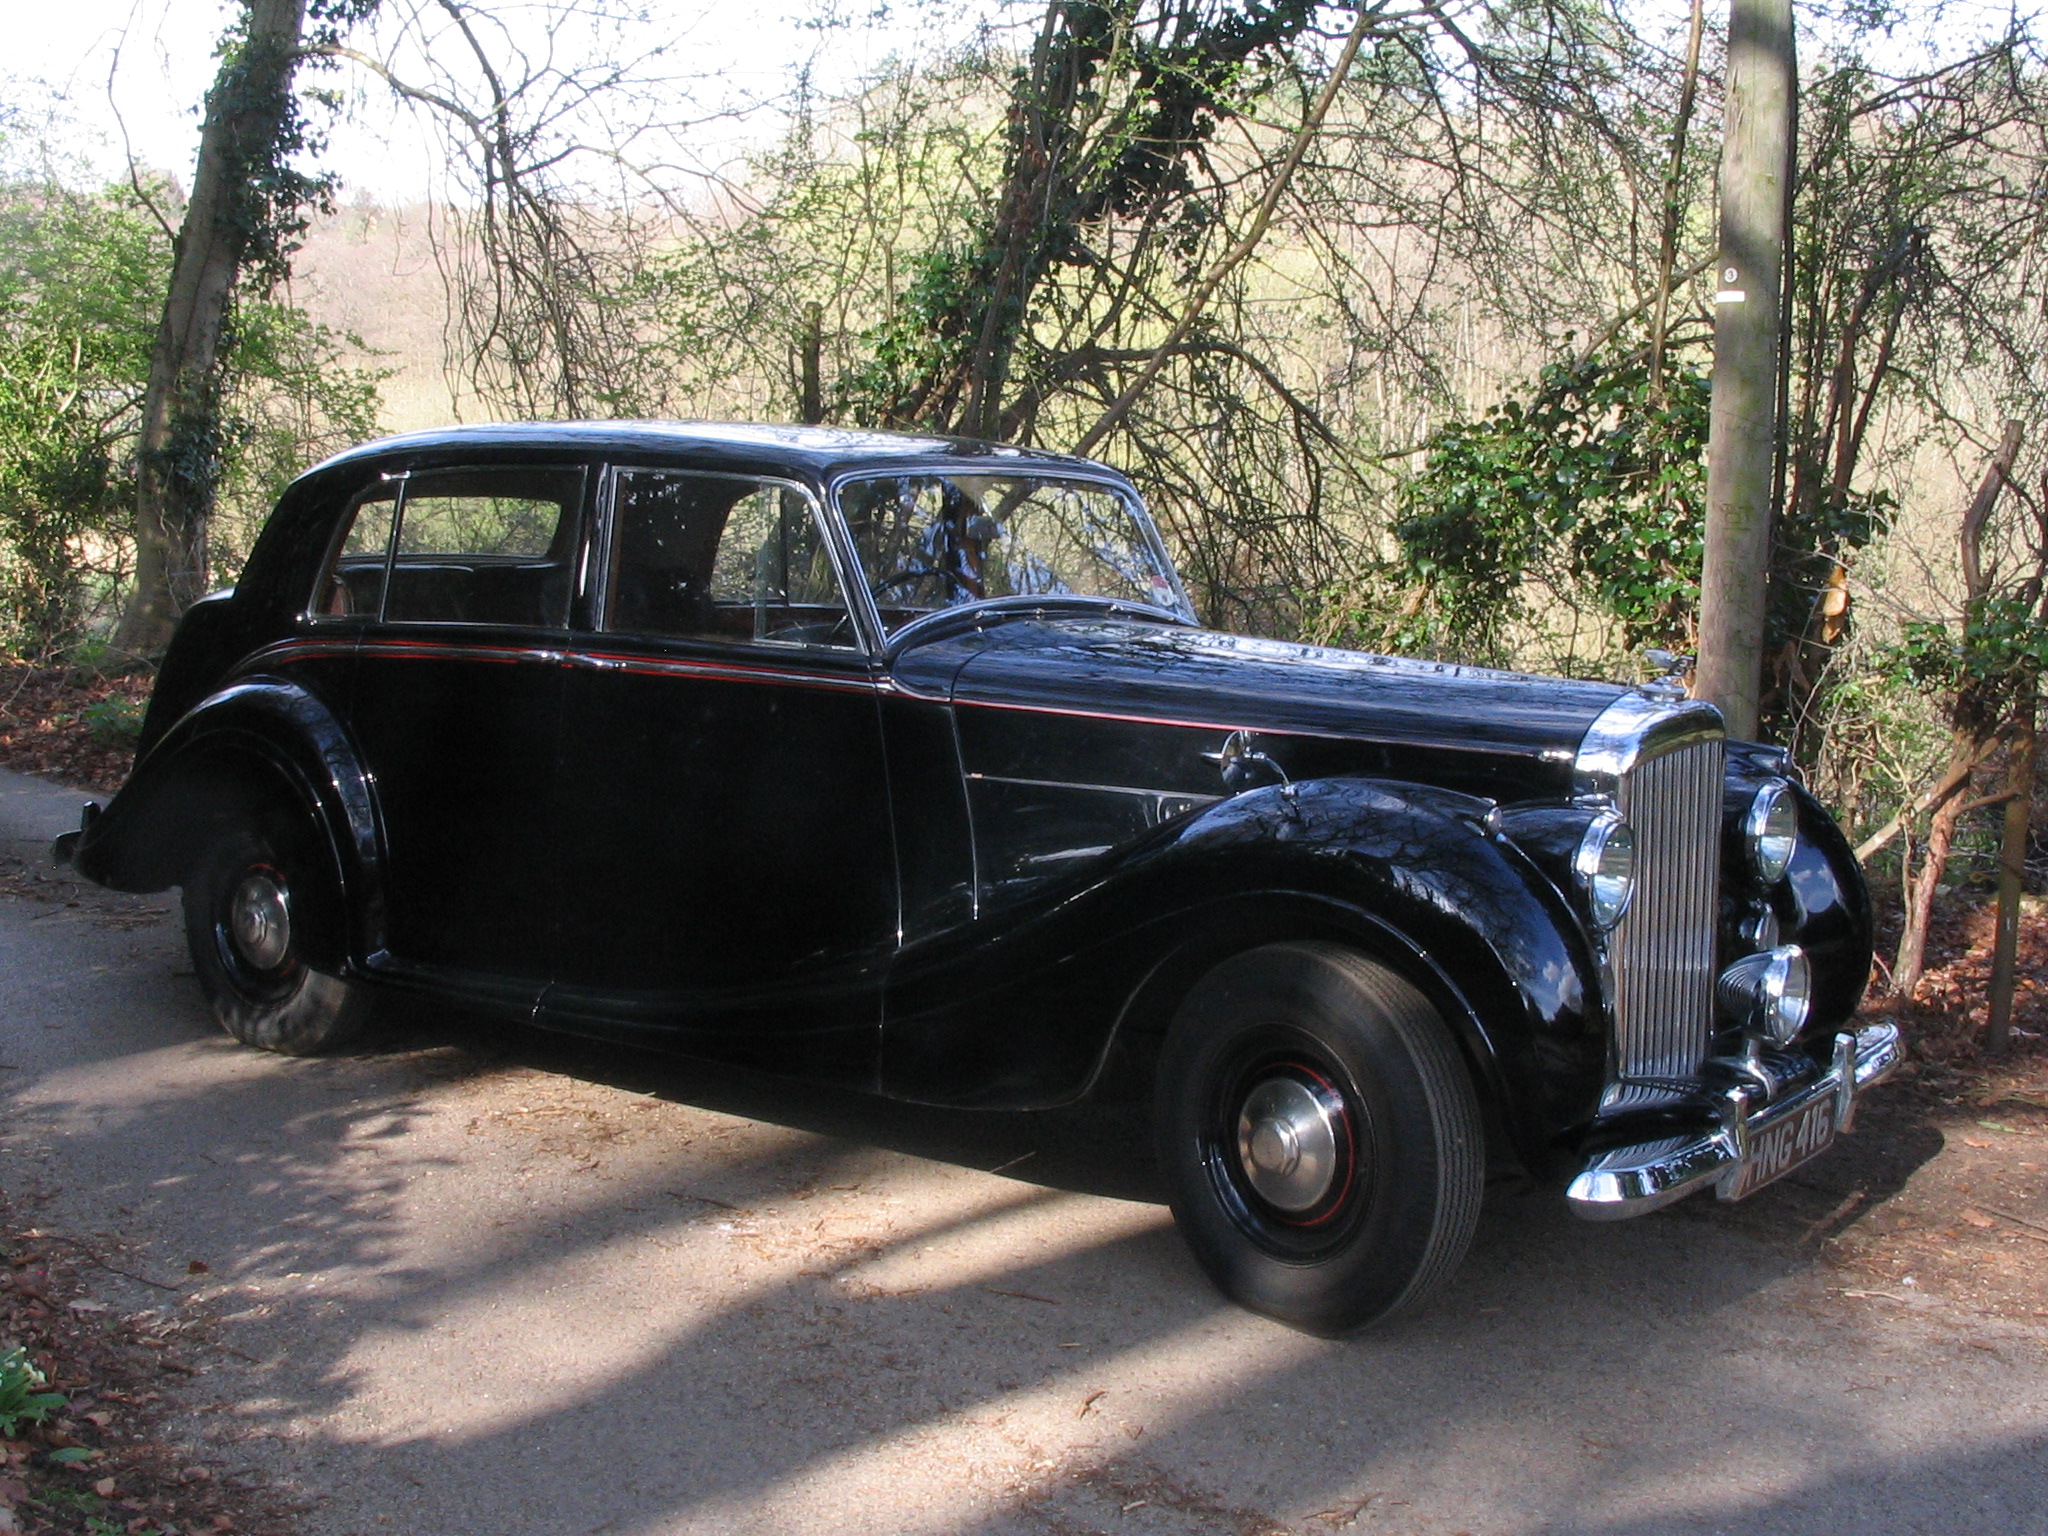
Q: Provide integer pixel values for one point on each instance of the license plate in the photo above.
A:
(1783, 1147)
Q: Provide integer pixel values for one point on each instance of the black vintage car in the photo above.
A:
(902, 762)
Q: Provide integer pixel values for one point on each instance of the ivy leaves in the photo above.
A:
(2000, 653)
(1593, 490)
(1594, 486)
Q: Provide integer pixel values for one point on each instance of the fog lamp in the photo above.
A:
(1769, 994)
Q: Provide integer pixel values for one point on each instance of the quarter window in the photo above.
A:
(722, 557)
(354, 586)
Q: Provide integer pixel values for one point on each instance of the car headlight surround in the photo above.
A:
(1605, 864)
(1770, 830)
(1769, 994)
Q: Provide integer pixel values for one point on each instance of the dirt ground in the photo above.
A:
(48, 726)
(473, 1279)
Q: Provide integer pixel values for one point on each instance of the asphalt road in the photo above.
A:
(478, 1283)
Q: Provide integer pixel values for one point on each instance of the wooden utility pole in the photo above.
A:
(1742, 429)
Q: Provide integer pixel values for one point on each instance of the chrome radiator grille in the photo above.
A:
(1663, 950)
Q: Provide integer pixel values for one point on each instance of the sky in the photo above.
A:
(132, 72)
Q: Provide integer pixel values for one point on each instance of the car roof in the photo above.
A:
(818, 453)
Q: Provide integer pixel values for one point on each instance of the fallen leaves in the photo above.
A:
(43, 729)
(76, 1473)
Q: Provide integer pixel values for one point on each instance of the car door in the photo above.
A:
(727, 864)
(457, 711)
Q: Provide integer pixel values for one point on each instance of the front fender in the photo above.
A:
(1415, 876)
(1823, 903)
(260, 735)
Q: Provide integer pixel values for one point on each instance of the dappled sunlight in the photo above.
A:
(470, 1313)
(632, 1310)
(495, 1282)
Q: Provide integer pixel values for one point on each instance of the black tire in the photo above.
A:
(1320, 1137)
(246, 907)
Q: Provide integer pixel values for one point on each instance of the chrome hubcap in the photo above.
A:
(1287, 1143)
(260, 921)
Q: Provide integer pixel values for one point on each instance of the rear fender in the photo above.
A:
(264, 737)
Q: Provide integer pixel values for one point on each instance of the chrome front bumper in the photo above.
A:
(1627, 1181)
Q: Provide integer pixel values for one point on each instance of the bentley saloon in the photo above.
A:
(904, 763)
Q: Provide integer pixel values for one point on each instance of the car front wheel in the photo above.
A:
(1319, 1135)
(246, 907)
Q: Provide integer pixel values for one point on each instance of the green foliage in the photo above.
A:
(293, 397)
(1999, 654)
(115, 720)
(1590, 486)
(1595, 490)
(914, 344)
(1109, 121)
(20, 1402)
(81, 288)
(82, 279)
(269, 135)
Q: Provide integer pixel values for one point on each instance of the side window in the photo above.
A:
(721, 557)
(485, 546)
(354, 585)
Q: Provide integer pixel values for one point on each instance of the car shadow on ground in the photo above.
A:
(1098, 1146)
(1102, 1145)
(1080, 1377)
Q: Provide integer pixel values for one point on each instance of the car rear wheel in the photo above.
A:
(1320, 1137)
(246, 910)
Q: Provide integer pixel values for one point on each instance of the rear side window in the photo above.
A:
(473, 546)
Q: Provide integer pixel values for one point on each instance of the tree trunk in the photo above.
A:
(1973, 721)
(2012, 874)
(1941, 835)
(178, 457)
(1742, 434)
(810, 347)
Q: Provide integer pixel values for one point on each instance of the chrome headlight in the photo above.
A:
(1605, 863)
(1769, 994)
(1771, 829)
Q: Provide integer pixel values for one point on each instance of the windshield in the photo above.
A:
(932, 541)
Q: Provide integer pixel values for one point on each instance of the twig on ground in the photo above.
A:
(99, 1263)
